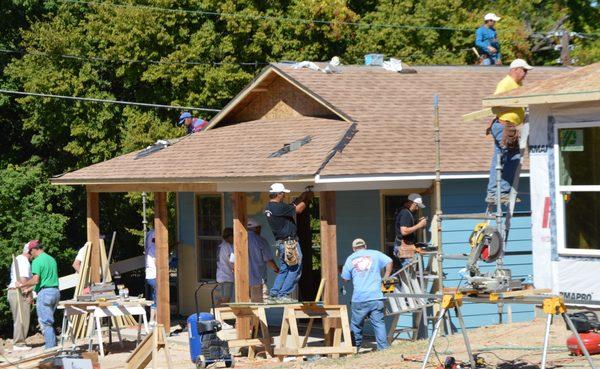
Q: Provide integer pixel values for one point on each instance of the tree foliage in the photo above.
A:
(166, 52)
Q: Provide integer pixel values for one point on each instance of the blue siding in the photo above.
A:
(358, 215)
(466, 196)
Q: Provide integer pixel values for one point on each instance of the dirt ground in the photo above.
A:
(495, 343)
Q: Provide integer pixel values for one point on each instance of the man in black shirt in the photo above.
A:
(281, 218)
(404, 246)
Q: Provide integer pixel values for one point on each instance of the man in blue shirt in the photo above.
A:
(260, 255)
(486, 41)
(364, 267)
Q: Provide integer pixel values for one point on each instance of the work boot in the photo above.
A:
(286, 300)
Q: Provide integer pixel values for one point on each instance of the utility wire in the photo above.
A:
(124, 61)
(280, 19)
(107, 101)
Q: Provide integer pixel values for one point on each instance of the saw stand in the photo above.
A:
(552, 306)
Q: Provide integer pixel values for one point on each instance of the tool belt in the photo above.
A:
(510, 134)
(402, 250)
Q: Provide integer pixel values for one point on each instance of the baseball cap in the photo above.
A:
(184, 116)
(417, 199)
(359, 242)
(491, 16)
(252, 223)
(520, 63)
(277, 188)
(33, 244)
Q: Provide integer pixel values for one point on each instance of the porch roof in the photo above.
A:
(582, 84)
(240, 151)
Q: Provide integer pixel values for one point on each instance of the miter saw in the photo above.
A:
(487, 245)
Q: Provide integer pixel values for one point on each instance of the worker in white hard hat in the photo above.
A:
(505, 130)
(486, 41)
(406, 229)
(282, 220)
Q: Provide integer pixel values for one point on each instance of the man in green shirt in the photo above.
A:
(45, 280)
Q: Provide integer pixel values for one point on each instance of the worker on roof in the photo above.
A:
(20, 306)
(505, 130)
(44, 272)
(486, 41)
(281, 218)
(261, 256)
(191, 123)
(363, 267)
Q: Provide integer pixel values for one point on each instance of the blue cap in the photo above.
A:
(184, 116)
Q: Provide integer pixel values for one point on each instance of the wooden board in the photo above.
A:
(163, 309)
(93, 234)
(147, 350)
(241, 266)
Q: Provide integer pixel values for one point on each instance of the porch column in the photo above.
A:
(93, 233)
(329, 263)
(161, 236)
(241, 267)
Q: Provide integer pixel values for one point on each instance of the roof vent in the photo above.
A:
(289, 147)
(157, 146)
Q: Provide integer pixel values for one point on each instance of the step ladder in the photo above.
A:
(414, 278)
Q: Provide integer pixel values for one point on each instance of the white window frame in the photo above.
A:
(560, 190)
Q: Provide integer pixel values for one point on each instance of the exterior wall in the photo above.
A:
(281, 100)
(576, 277)
(467, 196)
(359, 215)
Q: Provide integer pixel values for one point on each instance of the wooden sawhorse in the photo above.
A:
(337, 321)
(260, 337)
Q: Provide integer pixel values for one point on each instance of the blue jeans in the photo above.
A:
(288, 276)
(373, 310)
(510, 159)
(152, 284)
(47, 301)
(490, 60)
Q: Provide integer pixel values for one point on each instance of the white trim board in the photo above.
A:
(561, 189)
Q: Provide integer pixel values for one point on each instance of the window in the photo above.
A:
(210, 226)
(577, 153)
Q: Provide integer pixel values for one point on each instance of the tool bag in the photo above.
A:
(510, 136)
(290, 252)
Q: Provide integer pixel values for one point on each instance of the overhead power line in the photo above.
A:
(108, 101)
(125, 60)
(281, 19)
(266, 17)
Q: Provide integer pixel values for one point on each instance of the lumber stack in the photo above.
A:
(79, 323)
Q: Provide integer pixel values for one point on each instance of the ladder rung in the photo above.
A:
(456, 257)
(468, 216)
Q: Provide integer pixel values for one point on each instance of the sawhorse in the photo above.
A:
(551, 305)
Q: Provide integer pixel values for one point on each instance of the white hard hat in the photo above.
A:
(417, 199)
(278, 188)
(491, 16)
(520, 63)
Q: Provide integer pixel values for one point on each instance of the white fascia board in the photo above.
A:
(394, 178)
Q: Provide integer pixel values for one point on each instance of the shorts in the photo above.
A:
(226, 292)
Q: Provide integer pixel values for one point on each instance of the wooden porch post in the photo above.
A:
(161, 236)
(241, 266)
(329, 263)
(93, 233)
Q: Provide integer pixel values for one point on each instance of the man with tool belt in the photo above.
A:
(281, 218)
(505, 131)
(406, 229)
